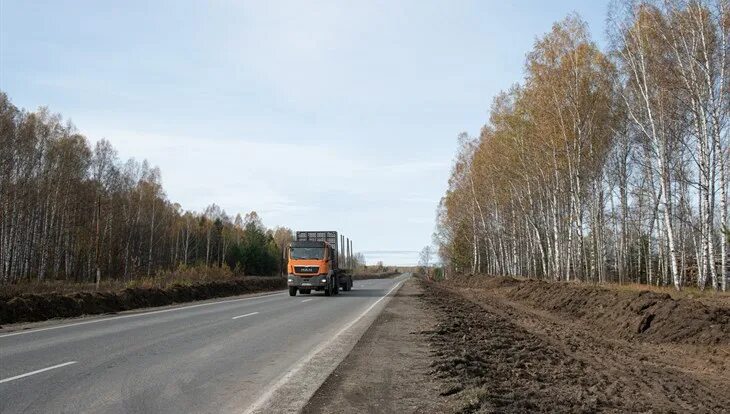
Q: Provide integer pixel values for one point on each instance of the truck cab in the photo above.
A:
(311, 268)
(313, 265)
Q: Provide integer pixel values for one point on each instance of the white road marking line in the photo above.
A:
(28, 374)
(306, 300)
(303, 362)
(243, 316)
(115, 318)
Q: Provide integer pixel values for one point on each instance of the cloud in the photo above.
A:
(391, 257)
(76, 83)
(417, 200)
(298, 46)
(229, 170)
(277, 178)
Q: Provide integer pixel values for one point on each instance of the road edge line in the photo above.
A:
(260, 405)
(38, 371)
(243, 316)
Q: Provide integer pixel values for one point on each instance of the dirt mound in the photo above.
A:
(33, 308)
(484, 282)
(495, 355)
(642, 315)
(495, 366)
(620, 313)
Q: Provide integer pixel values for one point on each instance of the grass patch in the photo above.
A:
(162, 290)
(184, 276)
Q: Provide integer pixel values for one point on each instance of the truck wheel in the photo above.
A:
(328, 290)
(337, 287)
(348, 285)
(292, 291)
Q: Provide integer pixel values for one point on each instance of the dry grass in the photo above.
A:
(707, 296)
(182, 276)
(690, 291)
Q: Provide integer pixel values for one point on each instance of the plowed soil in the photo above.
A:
(508, 346)
(632, 314)
(501, 345)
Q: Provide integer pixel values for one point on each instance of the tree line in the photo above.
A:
(603, 165)
(72, 212)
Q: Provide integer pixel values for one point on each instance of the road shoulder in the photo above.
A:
(387, 371)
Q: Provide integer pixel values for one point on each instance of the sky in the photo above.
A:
(318, 115)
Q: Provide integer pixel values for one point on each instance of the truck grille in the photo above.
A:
(306, 269)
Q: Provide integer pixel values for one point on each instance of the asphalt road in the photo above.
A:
(222, 356)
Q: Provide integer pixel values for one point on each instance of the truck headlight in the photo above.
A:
(324, 280)
(291, 280)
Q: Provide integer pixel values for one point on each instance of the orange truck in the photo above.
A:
(315, 263)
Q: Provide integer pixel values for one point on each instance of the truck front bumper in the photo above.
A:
(307, 282)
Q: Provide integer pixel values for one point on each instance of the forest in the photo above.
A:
(77, 213)
(603, 164)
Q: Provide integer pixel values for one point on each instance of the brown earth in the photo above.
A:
(33, 308)
(502, 345)
(388, 370)
(505, 345)
(632, 314)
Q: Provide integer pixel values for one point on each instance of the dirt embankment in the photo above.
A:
(492, 346)
(33, 308)
(506, 345)
(628, 314)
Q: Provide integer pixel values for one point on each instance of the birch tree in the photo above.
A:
(603, 166)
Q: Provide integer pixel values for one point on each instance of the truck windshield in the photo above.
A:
(307, 253)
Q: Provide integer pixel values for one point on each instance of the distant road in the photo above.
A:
(230, 355)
